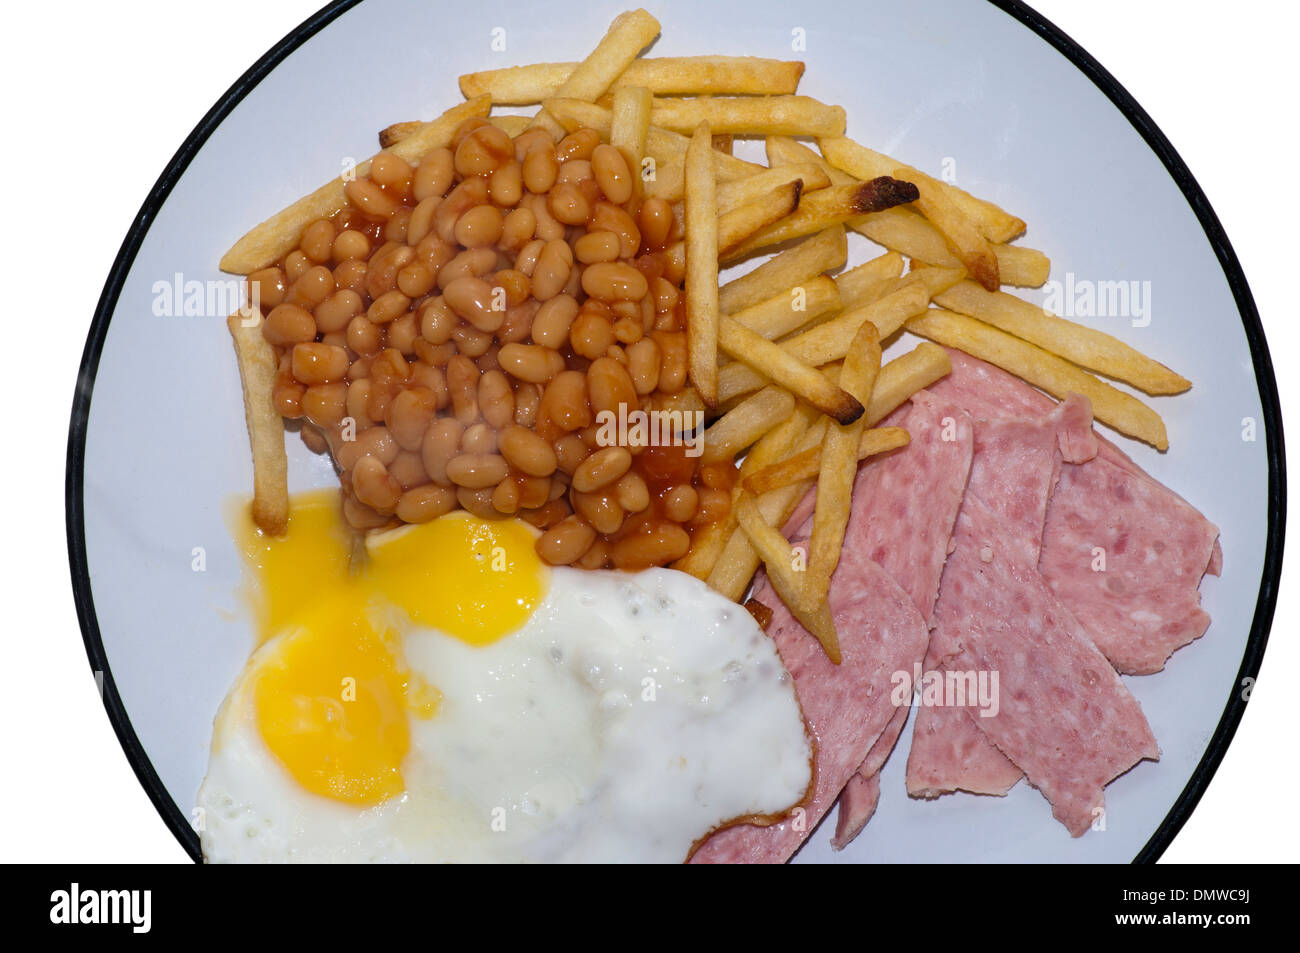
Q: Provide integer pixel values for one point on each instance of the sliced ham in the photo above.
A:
(1064, 716)
(1016, 463)
(920, 487)
(847, 706)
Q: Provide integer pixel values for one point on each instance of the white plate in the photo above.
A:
(997, 96)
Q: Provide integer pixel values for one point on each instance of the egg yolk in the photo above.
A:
(334, 698)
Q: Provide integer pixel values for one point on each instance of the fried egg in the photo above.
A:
(456, 700)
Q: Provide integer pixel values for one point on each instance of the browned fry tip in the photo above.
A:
(882, 193)
(762, 613)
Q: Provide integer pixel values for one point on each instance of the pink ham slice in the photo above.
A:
(847, 706)
(921, 487)
(1146, 604)
(1064, 716)
(1016, 464)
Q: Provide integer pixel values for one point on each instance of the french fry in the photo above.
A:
(934, 280)
(267, 243)
(825, 251)
(776, 444)
(827, 207)
(257, 370)
(830, 341)
(740, 192)
(779, 365)
(963, 236)
(904, 376)
(745, 423)
(702, 266)
(839, 467)
(778, 557)
(806, 465)
(863, 163)
(736, 226)
(1084, 346)
(392, 135)
(725, 143)
(627, 36)
(707, 544)
(1044, 370)
(864, 284)
(510, 125)
(765, 115)
(791, 309)
(663, 76)
(629, 123)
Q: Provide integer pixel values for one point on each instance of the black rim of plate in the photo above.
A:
(1235, 704)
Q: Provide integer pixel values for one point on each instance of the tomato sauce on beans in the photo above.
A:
(452, 334)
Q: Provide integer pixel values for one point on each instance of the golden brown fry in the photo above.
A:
(740, 192)
(628, 35)
(935, 280)
(1044, 370)
(962, 235)
(839, 467)
(764, 115)
(739, 224)
(904, 376)
(629, 122)
(830, 341)
(663, 76)
(806, 464)
(779, 365)
(827, 207)
(863, 163)
(510, 125)
(702, 266)
(745, 423)
(791, 309)
(865, 283)
(392, 135)
(707, 544)
(779, 558)
(1084, 346)
(257, 370)
(274, 238)
(825, 251)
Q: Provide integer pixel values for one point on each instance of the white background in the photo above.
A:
(99, 96)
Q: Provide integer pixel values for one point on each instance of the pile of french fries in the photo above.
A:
(785, 358)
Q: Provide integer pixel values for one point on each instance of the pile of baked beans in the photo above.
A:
(452, 333)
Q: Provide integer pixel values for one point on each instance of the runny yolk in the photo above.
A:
(333, 696)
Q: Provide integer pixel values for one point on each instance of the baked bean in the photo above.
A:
(528, 397)
(432, 379)
(612, 173)
(553, 320)
(610, 387)
(517, 229)
(570, 451)
(313, 439)
(548, 227)
(579, 144)
(462, 384)
(664, 543)
(478, 438)
(312, 287)
(590, 335)
(714, 505)
(408, 470)
(680, 502)
(437, 321)
(530, 362)
(614, 281)
(295, 263)
(288, 324)
(415, 280)
(334, 313)
(495, 399)
(370, 198)
(575, 172)
(631, 492)
(267, 288)
(477, 302)
(478, 502)
(600, 509)
(392, 173)
(515, 284)
(567, 204)
(611, 218)
(526, 451)
(673, 360)
(317, 240)
(643, 365)
(424, 503)
(655, 218)
(409, 415)
(506, 184)
(381, 275)
(564, 402)
(461, 199)
(518, 323)
(318, 363)
(526, 260)
(534, 491)
(286, 395)
(441, 442)
(395, 230)
(479, 227)
(544, 517)
(564, 542)
(596, 247)
(627, 330)
(471, 263)
(351, 275)
(325, 404)
(402, 333)
(359, 516)
(434, 175)
(476, 471)
(359, 398)
(421, 223)
(601, 469)
(539, 170)
(505, 497)
(374, 442)
(387, 307)
(470, 341)
(597, 557)
(435, 355)
(535, 137)
(375, 486)
(483, 151)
